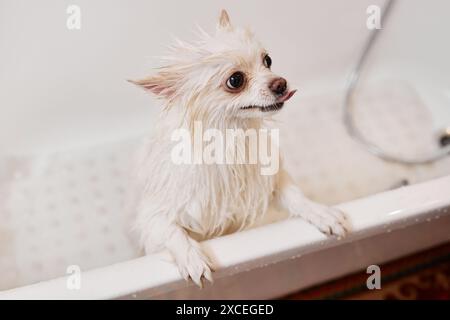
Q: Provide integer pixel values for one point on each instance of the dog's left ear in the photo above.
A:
(224, 21)
(162, 84)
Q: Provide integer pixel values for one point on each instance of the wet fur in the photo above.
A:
(179, 205)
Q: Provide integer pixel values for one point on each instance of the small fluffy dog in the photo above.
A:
(225, 81)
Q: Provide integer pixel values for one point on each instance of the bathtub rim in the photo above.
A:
(260, 246)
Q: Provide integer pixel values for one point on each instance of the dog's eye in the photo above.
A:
(236, 80)
(267, 61)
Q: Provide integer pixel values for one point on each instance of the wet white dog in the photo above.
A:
(224, 81)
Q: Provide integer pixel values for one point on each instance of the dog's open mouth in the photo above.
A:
(273, 107)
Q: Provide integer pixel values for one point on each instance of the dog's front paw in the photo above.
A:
(194, 264)
(328, 220)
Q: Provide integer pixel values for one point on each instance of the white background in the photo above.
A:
(60, 88)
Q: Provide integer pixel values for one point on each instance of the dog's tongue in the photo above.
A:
(287, 96)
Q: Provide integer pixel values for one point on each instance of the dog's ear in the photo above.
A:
(161, 84)
(224, 21)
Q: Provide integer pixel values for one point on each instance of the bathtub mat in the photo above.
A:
(61, 210)
(332, 168)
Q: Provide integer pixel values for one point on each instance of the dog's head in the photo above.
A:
(224, 75)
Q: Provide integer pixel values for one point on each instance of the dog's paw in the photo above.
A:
(328, 220)
(194, 264)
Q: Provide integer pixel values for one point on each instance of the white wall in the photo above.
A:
(61, 87)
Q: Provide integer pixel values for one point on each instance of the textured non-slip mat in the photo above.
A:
(332, 168)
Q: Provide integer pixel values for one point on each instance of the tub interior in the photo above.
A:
(63, 184)
(68, 208)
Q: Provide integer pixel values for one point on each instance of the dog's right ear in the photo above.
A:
(224, 21)
(161, 84)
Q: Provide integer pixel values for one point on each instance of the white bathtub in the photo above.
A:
(65, 90)
(276, 259)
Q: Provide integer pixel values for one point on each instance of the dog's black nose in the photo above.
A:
(278, 86)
